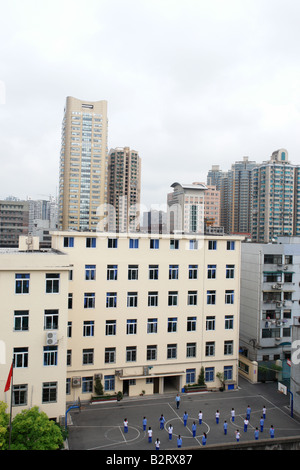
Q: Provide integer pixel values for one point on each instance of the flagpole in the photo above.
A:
(11, 401)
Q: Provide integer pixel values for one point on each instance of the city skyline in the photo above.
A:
(197, 84)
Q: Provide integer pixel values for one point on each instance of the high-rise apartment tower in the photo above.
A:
(83, 164)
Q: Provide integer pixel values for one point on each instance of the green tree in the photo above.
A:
(4, 422)
(32, 430)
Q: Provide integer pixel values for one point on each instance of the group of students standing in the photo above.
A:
(200, 418)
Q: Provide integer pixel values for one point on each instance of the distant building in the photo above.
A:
(14, 221)
(83, 165)
(124, 189)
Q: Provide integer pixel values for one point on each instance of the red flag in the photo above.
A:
(7, 386)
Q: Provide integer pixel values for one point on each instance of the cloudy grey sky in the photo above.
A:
(189, 83)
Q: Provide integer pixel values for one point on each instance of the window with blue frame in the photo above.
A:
(209, 374)
(109, 383)
(154, 243)
(22, 283)
(68, 242)
(90, 272)
(190, 376)
(230, 245)
(134, 243)
(90, 242)
(228, 372)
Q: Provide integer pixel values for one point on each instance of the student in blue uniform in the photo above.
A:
(217, 416)
(157, 444)
(150, 435)
(248, 412)
(225, 426)
(144, 423)
(177, 399)
(125, 425)
(194, 428)
(185, 418)
(264, 412)
(204, 438)
(179, 441)
(170, 431)
(261, 422)
(256, 434)
(272, 431)
(161, 421)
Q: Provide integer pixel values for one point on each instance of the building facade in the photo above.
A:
(124, 189)
(276, 208)
(14, 222)
(34, 314)
(270, 277)
(147, 312)
(83, 164)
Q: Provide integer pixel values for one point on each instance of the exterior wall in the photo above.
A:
(35, 374)
(151, 375)
(269, 298)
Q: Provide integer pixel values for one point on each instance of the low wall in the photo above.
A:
(282, 443)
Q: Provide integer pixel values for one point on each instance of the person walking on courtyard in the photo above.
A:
(161, 421)
(264, 412)
(232, 414)
(144, 423)
(149, 435)
(179, 441)
(157, 444)
(125, 425)
(246, 422)
(177, 399)
(225, 426)
(248, 412)
(217, 416)
(237, 435)
(272, 432)
(200, 416)
(261, 422)
(170, 431)
(256, 434)
(204, 438)
(185, 418)
(194, 428)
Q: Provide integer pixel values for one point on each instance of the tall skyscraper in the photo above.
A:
(236, 197)
(124, 189)
(83, 164)
(275, 198)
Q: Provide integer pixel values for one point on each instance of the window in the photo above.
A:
(190, 376)
(154, 243)
(87, 356)
(110, 355)
(20, 395)
(193, 271)
(210, 323)
(191, 350)
(228, 348)
(211, 271)
(228, 372)
(20, 357)
(22, 283)
(69, 329)
(152, 325)
(192, 297)
(193, 244)
(229, 297)
(152, 299)
(68, 242)
(90, 272)
(132, 299)
(50, 319)
(133, 272)
(50, 355)
(89, 300)
(131, 327)
(211, 297)
(172, 325)
(109, 383)
(191, 323)
(151, 352)
(70, 300)
(87, 384)
(88, 328)
(172, 298)
(153, 271)
(90, 242)
(229, 271)
(173, 271)
(49, 392)
(111, 300)
(52, 283)
(210, 348)
(209, 374)
(133, 243)
(112, 243)
(212, 244)
(230, 245)
(21, 320)
(110, 327)
(228, 322)
(171, 351)
(131, 354)
(174, 244)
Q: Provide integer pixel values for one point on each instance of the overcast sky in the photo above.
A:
(189, 84)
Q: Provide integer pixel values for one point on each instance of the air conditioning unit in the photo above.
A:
(98, 376)
(119, 372)
(76, 381)
(51, 338)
